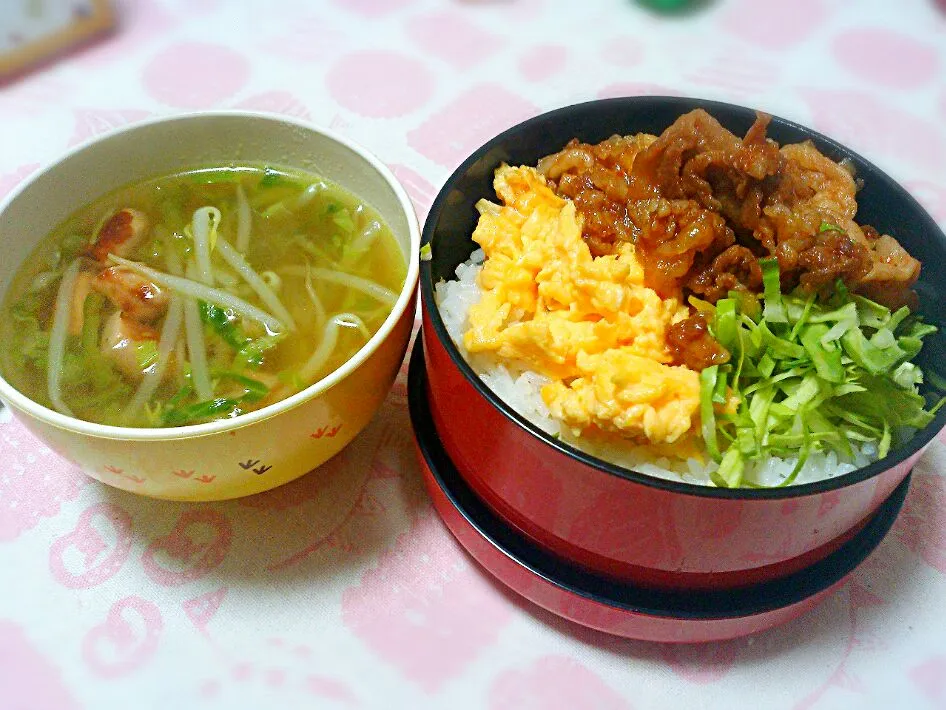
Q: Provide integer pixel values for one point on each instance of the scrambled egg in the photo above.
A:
(588, 323)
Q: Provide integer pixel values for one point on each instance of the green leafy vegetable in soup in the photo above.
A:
(198, 296)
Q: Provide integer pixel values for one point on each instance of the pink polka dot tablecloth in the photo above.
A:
(343, 589)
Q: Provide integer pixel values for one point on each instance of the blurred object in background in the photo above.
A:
(673, 6)
(665, 4)
(33, 32)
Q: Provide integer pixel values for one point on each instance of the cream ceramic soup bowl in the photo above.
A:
(262, 449)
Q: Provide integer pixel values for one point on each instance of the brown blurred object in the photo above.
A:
(33, 32)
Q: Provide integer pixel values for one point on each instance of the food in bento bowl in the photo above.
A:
(198, 296)
(695, 306)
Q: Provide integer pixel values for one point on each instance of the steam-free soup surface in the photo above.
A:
(198, 296)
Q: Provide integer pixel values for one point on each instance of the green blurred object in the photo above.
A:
(665, 5)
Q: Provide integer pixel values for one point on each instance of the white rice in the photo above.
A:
(521, 390)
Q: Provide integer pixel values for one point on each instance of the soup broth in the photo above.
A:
(198, 296)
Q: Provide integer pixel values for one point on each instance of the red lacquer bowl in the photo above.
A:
(618, 607)
(613, 520)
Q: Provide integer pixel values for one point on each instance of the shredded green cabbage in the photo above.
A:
(223, 323)
(175, 413)
(809, 376)
(253, 354)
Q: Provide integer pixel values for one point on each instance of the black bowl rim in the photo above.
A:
(700, 605)
(894, 458)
